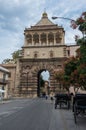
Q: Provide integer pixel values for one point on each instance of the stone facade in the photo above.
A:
(30, 71)
(72, 50)
(44, 49)
(12, 78)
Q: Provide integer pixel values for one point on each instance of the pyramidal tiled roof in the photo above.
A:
(44, 20)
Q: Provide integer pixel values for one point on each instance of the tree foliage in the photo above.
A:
(62, 79)
(75, 67)
(15, 56)
(80, 23)
(6, 61)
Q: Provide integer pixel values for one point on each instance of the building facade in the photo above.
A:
(44, 49)
(4, 83)
(12, 77)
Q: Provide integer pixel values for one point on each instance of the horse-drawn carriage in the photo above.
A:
(79, 106)
(62, 99)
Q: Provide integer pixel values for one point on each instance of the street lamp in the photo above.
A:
(62, 18)
(71, 20)
(74, 25)
(83, 30)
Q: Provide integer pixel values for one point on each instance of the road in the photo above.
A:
(37, 114)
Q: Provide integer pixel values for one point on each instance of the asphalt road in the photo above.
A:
(37, 114)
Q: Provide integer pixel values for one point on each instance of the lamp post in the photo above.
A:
(81, 28)
(71, 20)
(54, 17)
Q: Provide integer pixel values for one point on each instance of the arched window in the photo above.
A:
(29, 38)
(43, 38)
(50, 38)
(36, 38)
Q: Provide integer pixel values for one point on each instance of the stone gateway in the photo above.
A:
(44, 49)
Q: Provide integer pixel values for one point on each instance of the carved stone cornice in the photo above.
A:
(48, 46)
(43, 60)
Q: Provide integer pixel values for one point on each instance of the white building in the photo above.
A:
(4, 73)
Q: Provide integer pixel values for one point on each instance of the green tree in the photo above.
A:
(16, 55)
(70, 68)
(6, 61)
(75, 67)
(80, 23)
(70, 65)
(59, 77)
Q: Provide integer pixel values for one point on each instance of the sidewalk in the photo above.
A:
(4, 101)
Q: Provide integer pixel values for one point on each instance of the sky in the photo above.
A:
(45, 75)
(16, 15)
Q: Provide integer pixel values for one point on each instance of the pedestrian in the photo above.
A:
(51, 97)
(46, 97)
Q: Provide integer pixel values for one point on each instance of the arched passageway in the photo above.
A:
(30, 71)
(43, 82)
